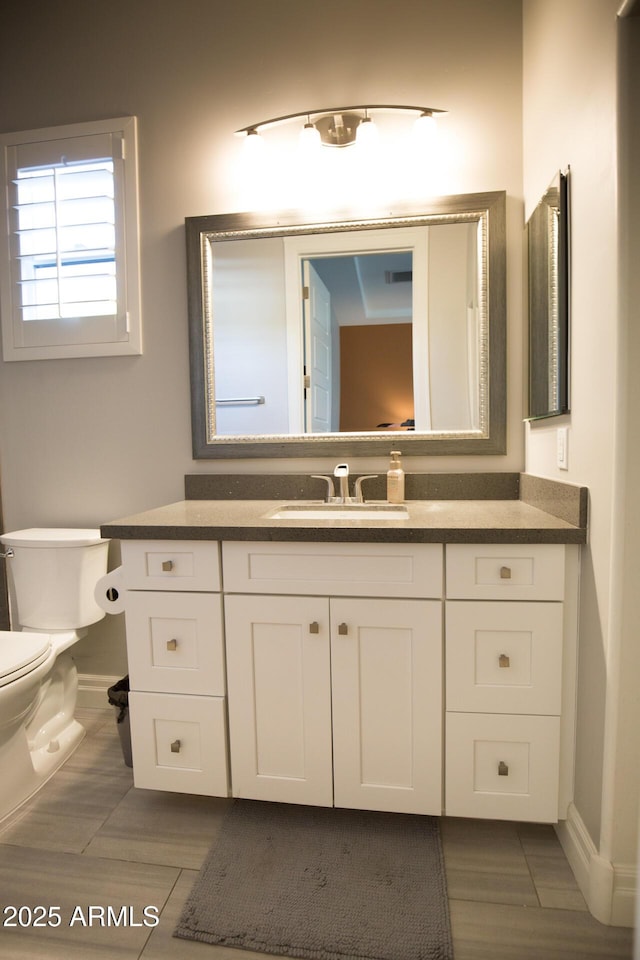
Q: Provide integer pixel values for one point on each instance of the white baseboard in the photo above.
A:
(92, 690)
(608, 888)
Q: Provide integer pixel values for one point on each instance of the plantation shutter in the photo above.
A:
(66, 242)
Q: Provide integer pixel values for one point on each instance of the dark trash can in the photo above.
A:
(118, 696)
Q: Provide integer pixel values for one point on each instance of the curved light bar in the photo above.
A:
(337, 126)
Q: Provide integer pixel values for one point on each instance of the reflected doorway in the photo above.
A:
(359, 342)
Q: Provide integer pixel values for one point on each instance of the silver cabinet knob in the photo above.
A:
(175, 746)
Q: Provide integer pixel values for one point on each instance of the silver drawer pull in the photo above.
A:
(173, 645)
(343, 629)
(505, 573)
(314, 627)
(503, 769)
(167, 565)
(503, 660)
(175, 746)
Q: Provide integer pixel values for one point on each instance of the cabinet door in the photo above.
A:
(334, 569)
(174, 642)
(386, 660)
(171, 565)
(504, 657)
(179, 743)
(502, 767)
(279, 689)
(495, 571)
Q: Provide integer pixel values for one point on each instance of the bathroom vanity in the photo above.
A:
(424, 665)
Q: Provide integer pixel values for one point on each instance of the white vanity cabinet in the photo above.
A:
(334, 665)
(510, 680)
(175, 649)
(354, 674)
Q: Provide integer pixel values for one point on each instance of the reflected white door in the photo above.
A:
(317, 352)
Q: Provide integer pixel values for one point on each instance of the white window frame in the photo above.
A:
(113, 333)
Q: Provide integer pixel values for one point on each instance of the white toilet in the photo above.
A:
(52, 575)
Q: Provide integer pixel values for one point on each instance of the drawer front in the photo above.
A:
(498, 572)
(502, 767)
(323, 569)
(504, 657)
(179, 743)
(171, 565)
(174, 642)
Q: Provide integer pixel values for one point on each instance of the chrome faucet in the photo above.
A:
(359, 498)
(341, 471)
(331, 498)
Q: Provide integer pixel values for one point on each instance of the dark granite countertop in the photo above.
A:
(439, 521)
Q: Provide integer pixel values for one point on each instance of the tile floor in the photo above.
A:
(89, 841)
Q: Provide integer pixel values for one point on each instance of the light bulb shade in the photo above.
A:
(310, 140)
(367, 134)
(425, 130)
(253, 143)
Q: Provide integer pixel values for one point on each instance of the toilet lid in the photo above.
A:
(54, 537)
(21, 652)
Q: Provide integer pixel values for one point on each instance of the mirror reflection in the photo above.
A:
(348, 331)
(548, 243)
(311, 336)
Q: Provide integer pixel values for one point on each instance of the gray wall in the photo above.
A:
(90, 440)
(581, 109)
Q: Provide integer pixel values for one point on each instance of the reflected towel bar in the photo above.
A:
(232, 400)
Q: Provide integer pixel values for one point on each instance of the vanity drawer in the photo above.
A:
(502, 767)
(179, 743)
(171, 565)
(504, 657)
(498, 572)
(174, 642)
(327, 569)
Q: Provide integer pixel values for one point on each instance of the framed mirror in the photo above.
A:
(343, 337)
(548, 250)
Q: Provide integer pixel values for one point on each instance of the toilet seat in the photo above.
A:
(20, 653)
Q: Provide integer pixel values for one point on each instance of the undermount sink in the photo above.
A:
(339, 511)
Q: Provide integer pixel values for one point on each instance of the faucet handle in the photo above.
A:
(330, 488)
(359, 482)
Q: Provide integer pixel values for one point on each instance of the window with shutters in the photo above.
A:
(69, 259)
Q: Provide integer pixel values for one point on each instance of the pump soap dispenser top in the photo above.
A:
(395, 479)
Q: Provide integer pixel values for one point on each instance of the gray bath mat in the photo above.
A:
(324, 884)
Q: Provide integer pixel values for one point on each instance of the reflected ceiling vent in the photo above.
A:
(398, 276)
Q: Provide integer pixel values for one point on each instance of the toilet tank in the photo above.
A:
(52, 576)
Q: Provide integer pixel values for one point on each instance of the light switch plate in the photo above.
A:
(562, 441)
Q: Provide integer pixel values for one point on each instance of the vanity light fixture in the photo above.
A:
(367, 132)
(310, 139)
(344, 126)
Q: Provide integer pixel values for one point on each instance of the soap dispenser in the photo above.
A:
(395, 479)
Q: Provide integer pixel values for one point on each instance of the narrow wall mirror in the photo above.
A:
(334, 337)
(548, 246)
